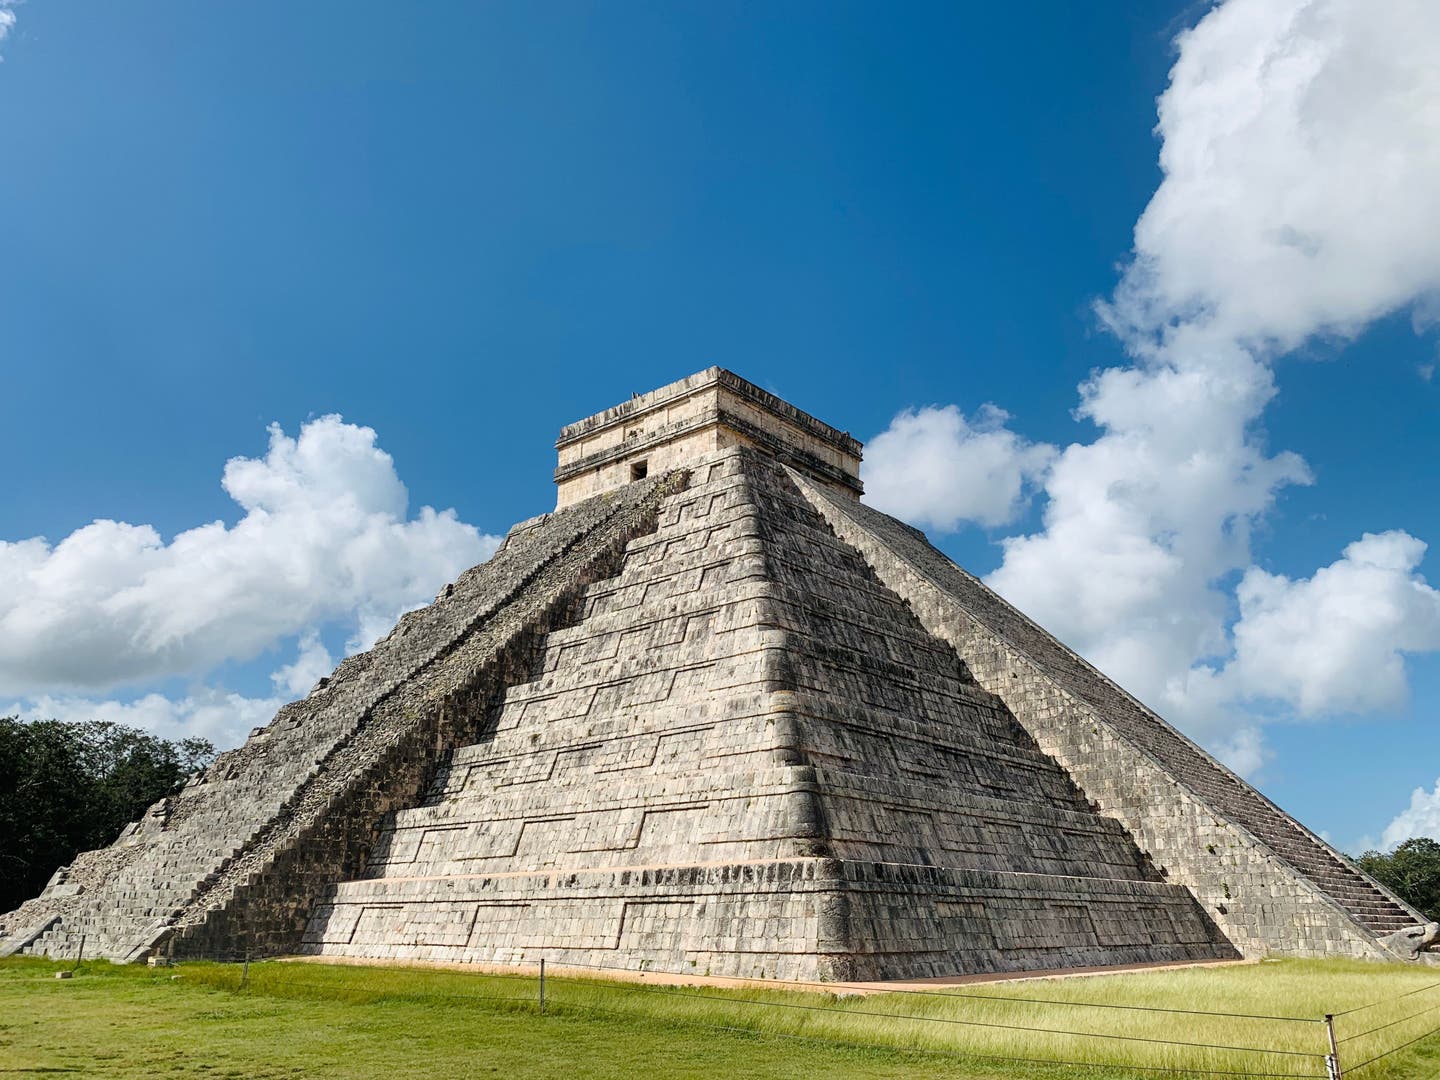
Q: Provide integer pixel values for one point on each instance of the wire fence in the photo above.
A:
(1114, 1037)
(1380, 1039)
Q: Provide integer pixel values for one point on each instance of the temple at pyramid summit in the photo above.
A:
(715, 715)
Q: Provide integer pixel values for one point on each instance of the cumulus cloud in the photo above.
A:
(1420, 818)
(324, 537)
(935, 467)
(7, 18)
(1300, 153)
(1301, 147)
(311, 665)
(1140, 523)
(222, 716)
(1301, 150)
(1337, 641)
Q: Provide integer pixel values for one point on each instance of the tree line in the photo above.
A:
(1411, 872)
(69, 787)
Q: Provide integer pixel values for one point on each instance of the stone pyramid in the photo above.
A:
(716, 715)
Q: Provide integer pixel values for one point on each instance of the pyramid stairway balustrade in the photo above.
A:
(268, 809)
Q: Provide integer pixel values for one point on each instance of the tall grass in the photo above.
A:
(1181, 1019)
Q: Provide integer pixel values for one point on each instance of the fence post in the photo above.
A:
(542, 986)
(1332, 1059)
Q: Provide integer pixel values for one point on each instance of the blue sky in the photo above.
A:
(462, 225)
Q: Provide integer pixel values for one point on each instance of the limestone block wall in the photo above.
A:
(942, 806)
(645, 740)
(896, 720)
(611, 468)
(748, 757)
(1201, 825)
(264, 900)
(766, 919)
(633, 803)
(916, 921)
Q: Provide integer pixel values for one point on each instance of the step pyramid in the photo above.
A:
(716, 715)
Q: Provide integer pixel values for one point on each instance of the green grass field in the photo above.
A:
(388, 1022)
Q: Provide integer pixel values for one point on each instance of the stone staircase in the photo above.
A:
(133, 912)
(1227, 794)
(1367, 905)
(224, 865)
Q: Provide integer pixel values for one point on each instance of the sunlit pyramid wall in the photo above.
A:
(715, 715)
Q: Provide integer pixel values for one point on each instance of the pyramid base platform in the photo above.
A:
(795, 919)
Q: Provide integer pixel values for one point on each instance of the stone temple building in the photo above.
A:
(716, 715)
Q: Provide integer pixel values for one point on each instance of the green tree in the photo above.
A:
(69, 787)
(1411, 872)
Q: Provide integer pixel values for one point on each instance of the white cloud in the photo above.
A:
(1301, 150)
(1242, 749)
(1336, 641)
(311, 665)
(1301, 153)
(222, 716)
(324, 537)
(1420, 818)
(933, 466)
(1140, 523)
(7, 18)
